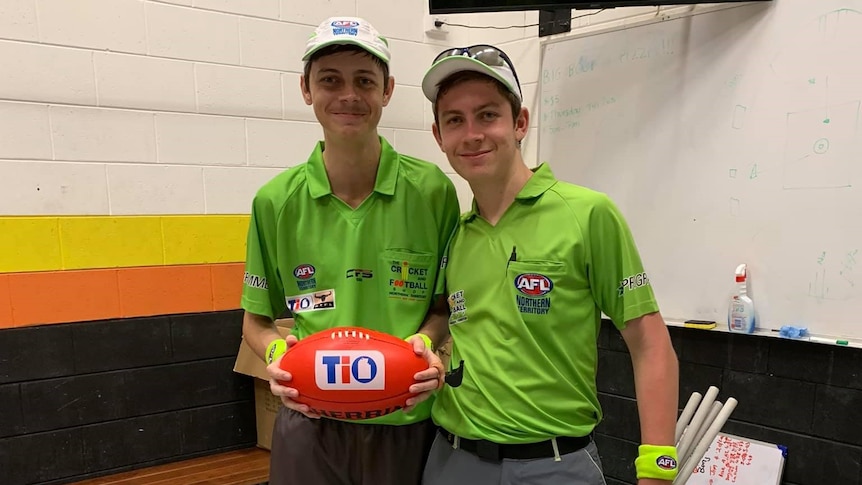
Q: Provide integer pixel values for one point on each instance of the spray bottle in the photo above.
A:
(740, 313)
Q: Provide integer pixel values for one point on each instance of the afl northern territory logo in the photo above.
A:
(532, 297)
(533, 285)
(345, 23)
(304, 274)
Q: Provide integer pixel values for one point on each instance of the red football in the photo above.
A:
(352, 373)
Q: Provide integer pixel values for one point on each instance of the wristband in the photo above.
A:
(658, 462)
(425, 338)
(274, 350)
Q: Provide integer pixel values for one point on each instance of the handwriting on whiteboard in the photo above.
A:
(635, 50)
(724, 463)
(556, 117)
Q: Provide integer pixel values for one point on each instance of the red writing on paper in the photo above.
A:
(723, 465)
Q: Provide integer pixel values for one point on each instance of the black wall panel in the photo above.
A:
(128, 441)
(121, 344)
(87, 399)
(36, 353)
(802, 395)
(11, 419)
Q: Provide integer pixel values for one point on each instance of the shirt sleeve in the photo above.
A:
(621, 287)
(262, 291)
(448, 225)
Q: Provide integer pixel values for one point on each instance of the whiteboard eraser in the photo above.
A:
(701, 324)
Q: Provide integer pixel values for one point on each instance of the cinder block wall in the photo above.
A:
(798, 394)
(83, 399)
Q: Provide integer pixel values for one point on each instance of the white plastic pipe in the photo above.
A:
(687, 441)
(710, 418)
(713, 413)
(703, 445)
(687, 413)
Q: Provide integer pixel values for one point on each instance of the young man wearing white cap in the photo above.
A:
(327, 242)
(530, 270)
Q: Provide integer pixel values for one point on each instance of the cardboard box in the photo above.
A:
(445, 353)
(266, 405)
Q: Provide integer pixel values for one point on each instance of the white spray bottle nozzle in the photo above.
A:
(740, 273)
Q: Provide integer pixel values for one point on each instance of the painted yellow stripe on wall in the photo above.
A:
(208, 239)
(83, 242)
(108, 242)
(29, 244)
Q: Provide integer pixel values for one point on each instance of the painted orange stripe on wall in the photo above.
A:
(171, 289)
(48, 297)
(73, 296)
(227, 285)
(5, 301)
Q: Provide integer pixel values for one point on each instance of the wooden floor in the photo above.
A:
(241, 467)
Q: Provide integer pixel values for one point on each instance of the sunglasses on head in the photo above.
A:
(484, 53)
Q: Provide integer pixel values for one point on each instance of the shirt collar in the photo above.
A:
(387, 171)
(542, 180)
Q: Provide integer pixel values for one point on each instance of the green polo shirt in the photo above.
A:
(526, 298)
(330, 265)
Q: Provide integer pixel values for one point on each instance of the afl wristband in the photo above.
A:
(658, 462)
(275, 349)
(425, 338)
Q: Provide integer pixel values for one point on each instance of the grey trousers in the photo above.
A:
(329, 452)
(449, 466)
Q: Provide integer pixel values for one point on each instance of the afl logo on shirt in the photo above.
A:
(532, 297)
(304, 274)
(533, 285)
(303, 271)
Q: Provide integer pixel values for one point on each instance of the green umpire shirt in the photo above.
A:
(526, 298)
(330, 265)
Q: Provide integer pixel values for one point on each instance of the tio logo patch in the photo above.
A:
(533, 284)
(310, 302)
(357, 370)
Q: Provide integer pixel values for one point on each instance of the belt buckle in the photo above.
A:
(488, 451)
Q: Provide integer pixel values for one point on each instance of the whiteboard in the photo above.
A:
(734, 460)
(727, 137)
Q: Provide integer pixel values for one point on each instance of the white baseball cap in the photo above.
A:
(347, 30)
(484, 59)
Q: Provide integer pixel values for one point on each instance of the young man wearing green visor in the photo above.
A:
(352, 237)
(530, 270)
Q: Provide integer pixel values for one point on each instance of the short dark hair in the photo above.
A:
(338, 48)
(465, 76)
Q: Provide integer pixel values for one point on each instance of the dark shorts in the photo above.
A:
(329, 452)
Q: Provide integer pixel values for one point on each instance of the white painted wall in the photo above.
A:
(188, 106)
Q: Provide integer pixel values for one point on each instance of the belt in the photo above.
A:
(490, 451)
